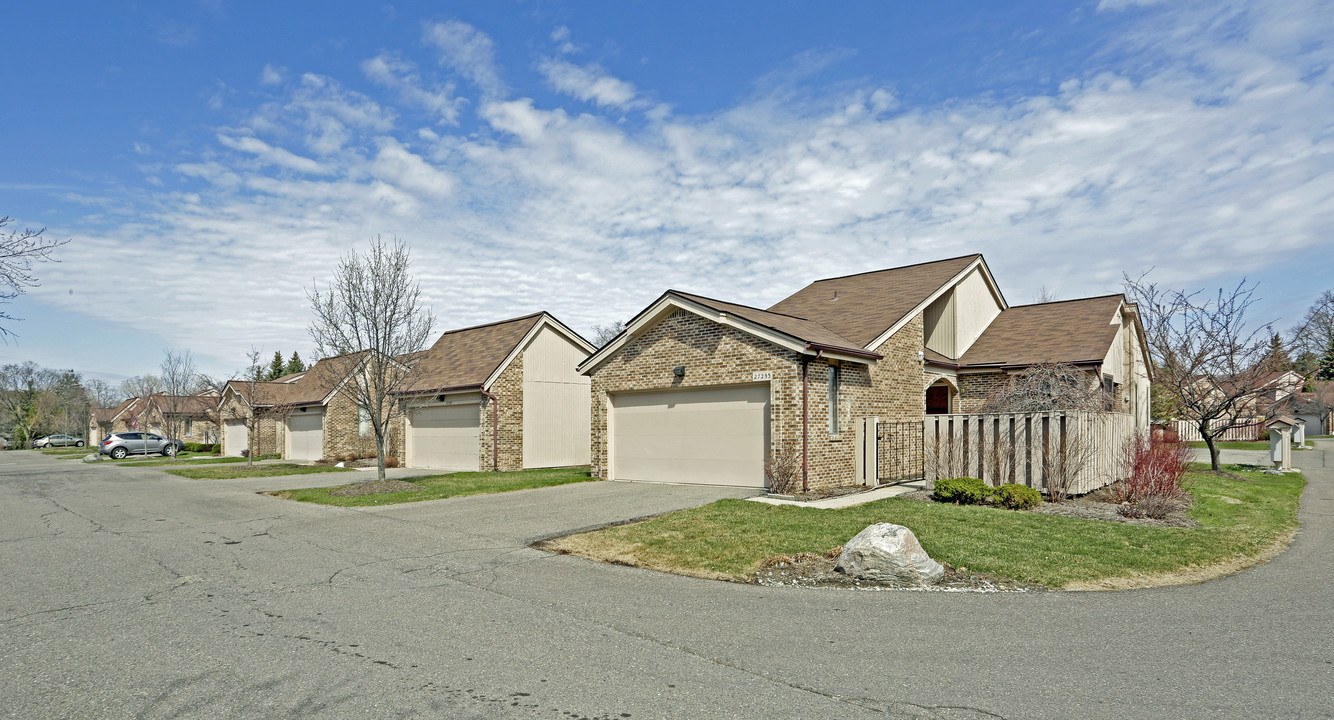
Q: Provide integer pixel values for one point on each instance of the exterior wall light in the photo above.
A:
(679, 371)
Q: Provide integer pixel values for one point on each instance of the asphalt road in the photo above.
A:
(128, 593)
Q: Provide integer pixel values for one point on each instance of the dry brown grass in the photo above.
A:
(596, 546)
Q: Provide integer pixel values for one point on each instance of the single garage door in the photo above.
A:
(305, 435)
(715, 436)
(444, 437)
(237, 438)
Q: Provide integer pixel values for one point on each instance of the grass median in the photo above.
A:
(437, 487)
(1241, 522)
(234, 471)
(191, 461)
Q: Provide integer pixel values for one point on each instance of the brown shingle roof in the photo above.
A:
(799, 328)
(187, 405)
(870, 303)
(1069, 331)
(310, 389)
(466, 358)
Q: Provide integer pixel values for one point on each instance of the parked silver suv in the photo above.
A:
(51, 441)
(120, 444)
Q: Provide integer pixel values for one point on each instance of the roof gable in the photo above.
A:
(470, 357)
(863, 307)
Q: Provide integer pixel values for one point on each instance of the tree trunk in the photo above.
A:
(1214, 452)
(379, 454)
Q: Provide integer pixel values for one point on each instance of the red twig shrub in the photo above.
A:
(1155, 468)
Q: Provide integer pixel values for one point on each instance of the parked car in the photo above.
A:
(51, 441)
(118, 445)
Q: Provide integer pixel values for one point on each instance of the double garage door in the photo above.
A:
(237, 437)
(714, 436)
(444, 437)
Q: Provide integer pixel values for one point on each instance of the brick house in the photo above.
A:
(502, 396)
(302, 416)
(104, 421)
(188, 418)
(698, 390)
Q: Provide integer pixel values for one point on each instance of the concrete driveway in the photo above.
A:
(130, 593)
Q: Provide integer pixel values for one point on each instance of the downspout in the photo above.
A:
(805, 419)
(495, 430)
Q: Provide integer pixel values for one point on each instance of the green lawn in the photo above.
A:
(70, 451)
(729, 538)
(435, 487)
(206, 460)
(233, 471)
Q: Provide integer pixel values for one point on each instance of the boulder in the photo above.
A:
(888, 554)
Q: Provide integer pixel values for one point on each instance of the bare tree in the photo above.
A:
(372, 305)
(1210, 363)
(36, 401)
(1046, 387)
(1044, 295)
(19, 249)
(179, 379)
(603, 334)
(143, 387)
(254, 375)
(1311, 338)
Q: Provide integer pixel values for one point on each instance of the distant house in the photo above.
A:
(104, 421)
(504, 396)
(188, 418)
(698, 390)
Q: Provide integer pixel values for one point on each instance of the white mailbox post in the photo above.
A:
(1280, 441)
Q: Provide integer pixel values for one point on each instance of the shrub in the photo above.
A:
(1017, 497)
(391, 462)
(345, 457)
(201, 447)
(961, 491)
(1150, 506)
(1154, 467)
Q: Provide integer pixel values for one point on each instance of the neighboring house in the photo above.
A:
(188, 418)
(104, 421)
(504, 396)
(303, 416)
(1307, 408)
(698, 390)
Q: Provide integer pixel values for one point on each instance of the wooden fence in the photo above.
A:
(1074, 451)
(1253, 430)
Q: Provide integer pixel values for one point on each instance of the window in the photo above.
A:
(937, 400)
(189, 427)
(833, 399)
(363, 421)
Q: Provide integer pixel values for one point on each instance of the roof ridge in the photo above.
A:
(1057, 302)
(896, 267)
(496, 322)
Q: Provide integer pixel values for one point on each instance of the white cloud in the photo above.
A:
(589, 83)
(469, 52)
(271, 75)
(392, 71)
(1211, 160)
(273, 156)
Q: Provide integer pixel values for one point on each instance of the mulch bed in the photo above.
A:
(811, 570)
(1096, 505)
(375, 487)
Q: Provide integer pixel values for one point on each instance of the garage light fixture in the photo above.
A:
(679, 371)
(440, 397)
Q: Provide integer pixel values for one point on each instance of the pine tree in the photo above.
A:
(1277, 360)
(294, 365)
(1325, 371)
(275, 367)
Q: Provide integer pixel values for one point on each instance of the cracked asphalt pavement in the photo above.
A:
(129, 593)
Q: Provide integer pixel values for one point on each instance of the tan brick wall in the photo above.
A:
(342, 431)
(268, 431)
(508, 388)
(975, 390)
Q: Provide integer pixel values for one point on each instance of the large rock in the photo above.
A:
(889, 554)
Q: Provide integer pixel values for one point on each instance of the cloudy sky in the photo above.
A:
(211, 160)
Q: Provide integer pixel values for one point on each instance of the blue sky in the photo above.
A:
(210, 160)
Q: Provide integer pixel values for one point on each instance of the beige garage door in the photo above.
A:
(305, 435)
(714, 436)
(237, 437)
(444, 437)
